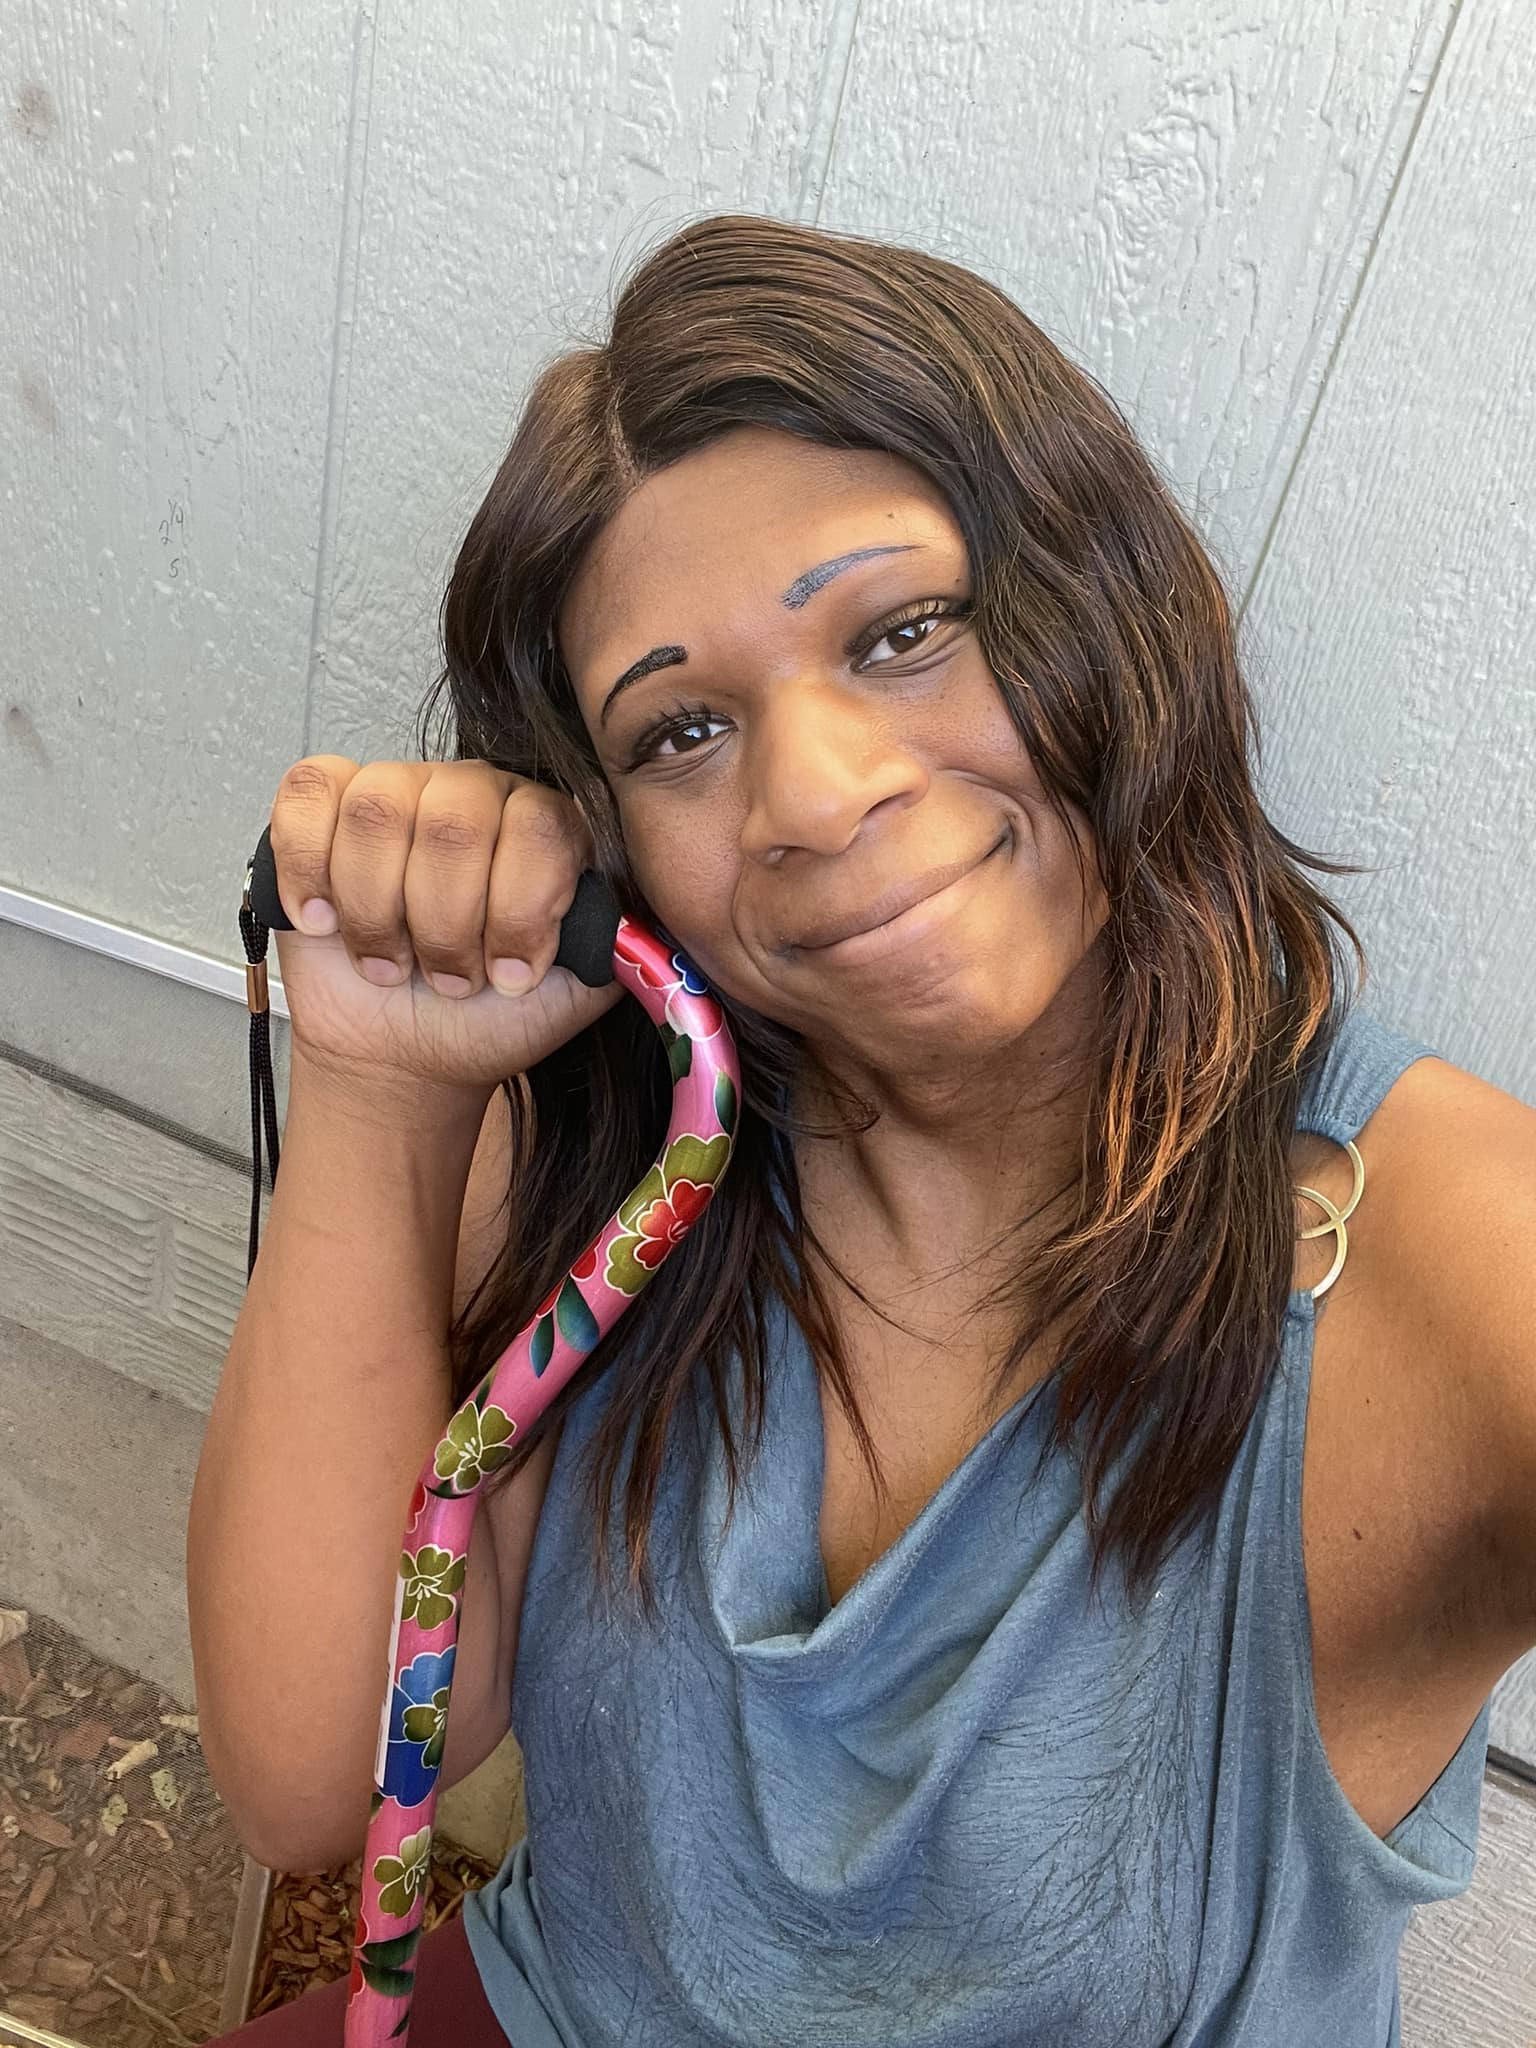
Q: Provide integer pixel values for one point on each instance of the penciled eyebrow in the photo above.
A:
(799, 591)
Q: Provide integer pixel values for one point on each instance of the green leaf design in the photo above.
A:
(651, 1189)
(541, 1345)
(392, 1953)
(725, 1101)
(578, 1325)
(399, 2028)
(388, 1983)
(691, 1157)
(679, 1053)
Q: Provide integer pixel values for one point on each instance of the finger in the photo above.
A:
(374, 827)
(541, 850)
(447, 875)
(301, 829)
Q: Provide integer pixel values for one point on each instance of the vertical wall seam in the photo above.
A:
(849, 41)
(1357, 292)
(348, 259)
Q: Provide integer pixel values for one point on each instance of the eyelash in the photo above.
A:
(681, 716)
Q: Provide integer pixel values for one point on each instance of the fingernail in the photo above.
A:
(450, 984)
(512, 977)
(317, 916)
(384, 972)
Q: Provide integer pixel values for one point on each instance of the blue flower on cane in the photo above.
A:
(418, 1726)
(689, 975)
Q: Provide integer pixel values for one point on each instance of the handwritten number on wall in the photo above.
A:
(175, 518)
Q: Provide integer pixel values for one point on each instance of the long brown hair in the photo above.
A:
(1111, 638)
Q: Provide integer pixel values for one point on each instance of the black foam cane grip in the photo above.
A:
(587, 930)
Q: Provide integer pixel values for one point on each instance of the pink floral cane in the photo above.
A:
(648, 1225)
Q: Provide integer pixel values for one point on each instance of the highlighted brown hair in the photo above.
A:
(1107, 626)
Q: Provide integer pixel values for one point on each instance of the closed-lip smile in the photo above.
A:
(893, 903)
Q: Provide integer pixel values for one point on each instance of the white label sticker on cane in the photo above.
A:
(382, 1752)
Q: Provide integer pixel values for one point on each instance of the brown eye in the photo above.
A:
(893, 630)
(909, 626)
(674, 725)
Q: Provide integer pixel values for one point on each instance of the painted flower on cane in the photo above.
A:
(403, 1879)
(419, 1499)
(475, 1443)
(432, 1578)
(667, 1221)
(418, 1726)
(685, 1012)
(665, 1206)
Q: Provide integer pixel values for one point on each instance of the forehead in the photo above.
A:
(738, 521)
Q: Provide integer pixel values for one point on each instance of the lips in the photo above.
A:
(899, 897)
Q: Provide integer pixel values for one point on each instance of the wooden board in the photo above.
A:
(169, 240)
(1468, 1969)
(1392, 617)
(1184, 195)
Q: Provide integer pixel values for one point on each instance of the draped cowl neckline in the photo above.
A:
(767, 1582)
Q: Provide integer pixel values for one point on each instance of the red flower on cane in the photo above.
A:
(668, 1219)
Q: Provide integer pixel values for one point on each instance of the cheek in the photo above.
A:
(685, 878)
(1078, 890)
(1061, 898)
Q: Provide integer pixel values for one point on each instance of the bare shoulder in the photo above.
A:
(1421, 1447)
(1419, 1478)
(1455, 1258)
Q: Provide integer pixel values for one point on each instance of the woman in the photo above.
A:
(1067, 1564)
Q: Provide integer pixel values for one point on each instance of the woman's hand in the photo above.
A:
(426, 870)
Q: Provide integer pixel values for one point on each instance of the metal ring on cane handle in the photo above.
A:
(1337, 1218)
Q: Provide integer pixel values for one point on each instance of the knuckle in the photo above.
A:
(375, 921)
(522, 933)
(374, 813)
(306, 782)
(450, 833)
(550, 825)
(444, 929)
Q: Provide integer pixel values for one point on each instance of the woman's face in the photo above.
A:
(818, 785)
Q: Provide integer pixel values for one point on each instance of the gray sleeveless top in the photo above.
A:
(965, 1807)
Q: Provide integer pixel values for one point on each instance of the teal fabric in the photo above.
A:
(965, 1807)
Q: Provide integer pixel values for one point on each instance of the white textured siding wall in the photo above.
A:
(273, 280)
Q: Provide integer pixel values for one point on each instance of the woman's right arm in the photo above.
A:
(334, 1390)
(337, 1385)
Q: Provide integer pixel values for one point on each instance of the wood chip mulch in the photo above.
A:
(308, 1938)
(119, 1869)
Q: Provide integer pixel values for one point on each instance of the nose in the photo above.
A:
(821, 761)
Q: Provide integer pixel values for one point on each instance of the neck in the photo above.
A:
(956, 1155)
